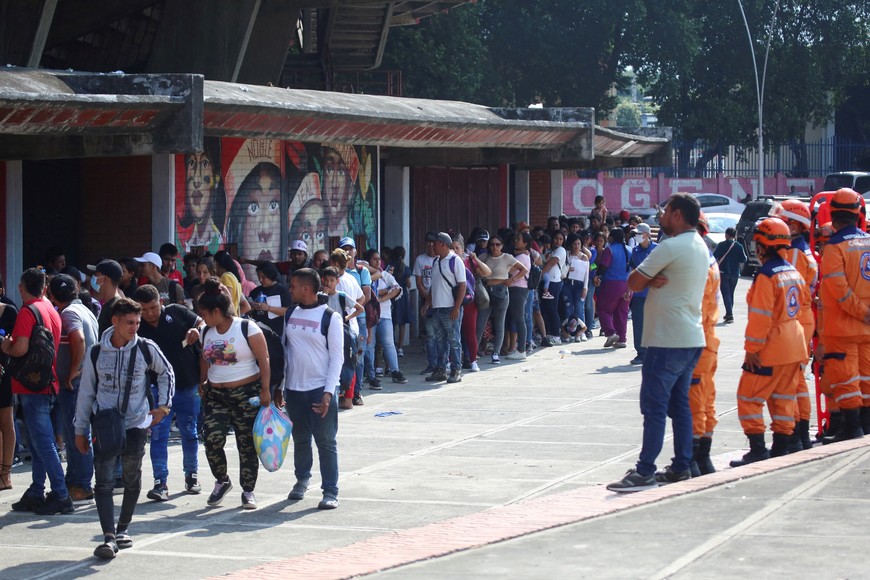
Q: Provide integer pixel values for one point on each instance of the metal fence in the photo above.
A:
(812, 159)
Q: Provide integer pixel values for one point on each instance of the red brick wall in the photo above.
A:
(116, 208)
(539, 197)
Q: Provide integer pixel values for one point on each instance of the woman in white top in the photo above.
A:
(234, 368)
(385, 289)
(519, 295)
(554, 268)
(504, 268)
(576, 288)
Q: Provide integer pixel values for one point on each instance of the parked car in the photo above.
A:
(857, 180)
(716, 202)
(755, 211)
(719, 222)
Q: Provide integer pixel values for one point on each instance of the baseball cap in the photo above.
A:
(63, 288)
(110, 269)
(347, 241)
(150, 257)
(431, 236)
(483, 236)
(642, 229)
(444, 238)
(522, 225)
(624, 215)
(300, 246)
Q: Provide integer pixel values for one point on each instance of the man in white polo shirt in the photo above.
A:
(676, 273)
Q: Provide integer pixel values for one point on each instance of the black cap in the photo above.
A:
(63, 288)
(431, 236)
(109, 268)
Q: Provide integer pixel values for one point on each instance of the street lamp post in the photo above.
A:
(759, 87)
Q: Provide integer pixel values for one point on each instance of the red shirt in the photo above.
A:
(24, 327)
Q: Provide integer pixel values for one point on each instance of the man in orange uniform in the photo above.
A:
(845, 296)
(774, 343)
(702, 392)
(835, 418)
(796, 214)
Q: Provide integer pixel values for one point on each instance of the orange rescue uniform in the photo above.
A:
(702, 393)
(800, 256)
(845, 297)
(775, 333)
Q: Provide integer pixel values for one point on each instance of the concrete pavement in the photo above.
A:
(512, 450)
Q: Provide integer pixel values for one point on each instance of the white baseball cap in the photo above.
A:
(152, 258)
(299, 245)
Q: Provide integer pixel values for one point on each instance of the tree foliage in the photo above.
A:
(627, 114)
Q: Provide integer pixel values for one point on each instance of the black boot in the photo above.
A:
(794, 441)
(705, 465)
(832, 427)
(865, 420)
(757, 451)
(781, 444)
(851, 428)
(803, 428)
(693, 466)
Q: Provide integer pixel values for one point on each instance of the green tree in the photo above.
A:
(627, 114)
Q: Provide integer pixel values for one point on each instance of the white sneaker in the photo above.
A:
(474, 367)
(583, 337)
(516, 355)
(400, 352)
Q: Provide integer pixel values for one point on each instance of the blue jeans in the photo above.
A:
(664, 392)
(727, 285)
(308, 424)
(576, 304)
(637, 304)
(550, 310)
(185, 409)
(79, 466)
(432, 357)
(361, 359)
(589, 306)
(530, 305)
(384, 337)
(448, 337)
(40, 441)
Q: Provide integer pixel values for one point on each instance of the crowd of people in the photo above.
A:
(202, 352)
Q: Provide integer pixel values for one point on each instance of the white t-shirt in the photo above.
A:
(228, 355)
(672, 313)
(555, 271)
(578, 269)
(442, 292)
(500, 266)
(348, 284)
(522, 282)
(309, 364)
(386, 282)
(423, 268)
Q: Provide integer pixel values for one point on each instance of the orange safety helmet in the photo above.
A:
(846, 200)
(703, 224)
(772, 232)
(793, 210)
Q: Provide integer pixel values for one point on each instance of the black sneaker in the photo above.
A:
(54, 505)
(455, 377)
(638, 360)
(298, 491)
(374, 384)
(436, 376)
(191, 484)
(428, 370)
(220, 490)
(358, 400)
(633, 481)
(670, 476)
(398, 377)
(159, 493)
(28, 503)
(329, 502)
(107, 550)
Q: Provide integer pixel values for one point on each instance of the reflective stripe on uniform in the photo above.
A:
(845, 296)
(757, 340)
(783, 397)
(846, 382)
(750, 417)
(807, 394)
(834, 275)
(782, 418)
(751, 399)
(762, 312)
(848, 396)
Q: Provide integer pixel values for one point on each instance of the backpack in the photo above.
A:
(469, 281)
(273, 345)
(150, 375)
(372, 308)
(535, 276)
(35, 370)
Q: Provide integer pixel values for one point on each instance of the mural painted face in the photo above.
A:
(310, 226)
(200, 186)
(260, 200)
(337, 188)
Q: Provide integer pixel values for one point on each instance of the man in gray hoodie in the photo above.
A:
(104, 380)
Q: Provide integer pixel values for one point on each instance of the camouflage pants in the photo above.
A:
(230, 407)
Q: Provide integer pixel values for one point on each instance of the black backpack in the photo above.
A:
(273, 345)
(35, 370)
(150, 376)
(348, 376)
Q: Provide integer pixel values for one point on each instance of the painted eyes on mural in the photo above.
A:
(340, 170)
(253, 208)
(274, 205)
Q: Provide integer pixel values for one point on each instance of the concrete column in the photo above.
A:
(395, 194)
(521, 211)
(14, 229)
(556, 192)
(162, 200)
